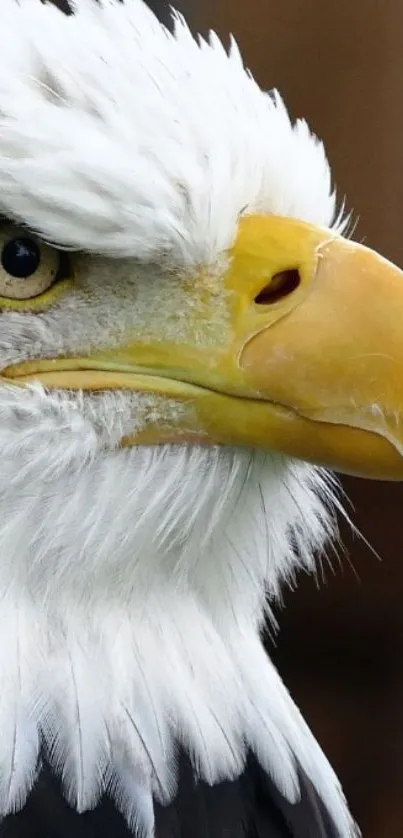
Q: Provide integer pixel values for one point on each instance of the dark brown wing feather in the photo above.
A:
(250, 807)
(161, 8)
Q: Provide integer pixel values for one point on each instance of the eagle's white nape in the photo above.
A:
(123, 140)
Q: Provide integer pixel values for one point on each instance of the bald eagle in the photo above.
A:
(188, 341)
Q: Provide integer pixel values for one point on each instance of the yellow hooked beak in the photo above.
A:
(310, 365)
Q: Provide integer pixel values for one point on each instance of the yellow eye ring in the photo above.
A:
(40, 303)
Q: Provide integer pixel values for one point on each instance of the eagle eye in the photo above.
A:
(28, 266)
(20, 258)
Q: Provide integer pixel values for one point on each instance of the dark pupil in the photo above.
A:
(20, 258)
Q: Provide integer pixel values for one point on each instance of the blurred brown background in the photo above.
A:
(340, 64)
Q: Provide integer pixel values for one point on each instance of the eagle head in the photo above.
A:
(186, 340)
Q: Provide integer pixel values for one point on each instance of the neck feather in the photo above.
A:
(134, 587)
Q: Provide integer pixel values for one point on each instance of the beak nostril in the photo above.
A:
(280, 285)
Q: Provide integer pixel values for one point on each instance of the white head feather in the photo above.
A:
(134, 583)
(122, 139)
